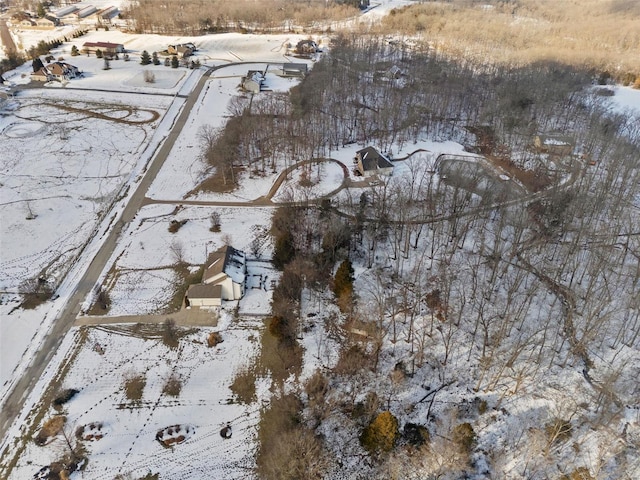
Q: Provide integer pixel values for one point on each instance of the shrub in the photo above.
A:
(51, 428)
(149, 77)
(352, 360)
(214, 339)
(98, 53)
(64, 396)
(145, 58)
(134, 387)
(170, 333)
(175, 225)
(416, 435)
(343, 280)
(175, 63)
(173, 386)
(381, 434)
(464, 436)
(558, 430)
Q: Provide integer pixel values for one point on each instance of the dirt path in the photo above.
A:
(6, 38)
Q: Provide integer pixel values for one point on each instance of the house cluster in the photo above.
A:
(55, 71)
(26, 21)
(369, 162)
(223, 279)
(182, 50)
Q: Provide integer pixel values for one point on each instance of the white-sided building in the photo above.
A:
(223, 279)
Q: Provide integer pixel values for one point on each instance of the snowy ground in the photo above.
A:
(68, 212)
(74, 152)
(108, 356)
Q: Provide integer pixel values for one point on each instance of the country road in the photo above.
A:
(6, 39)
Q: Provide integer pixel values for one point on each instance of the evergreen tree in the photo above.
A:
(41, 12)
(155, 59)
(283, 250)
(37, 64)
(98, 53)
(74, 51)
(174, 62)
(145, 58)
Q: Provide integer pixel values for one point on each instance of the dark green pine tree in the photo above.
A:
(155, 59)
(145, 58)
(175, 63)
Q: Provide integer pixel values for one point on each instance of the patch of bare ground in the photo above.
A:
(216, 184)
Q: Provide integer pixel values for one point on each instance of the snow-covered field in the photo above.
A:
(73, 153)
(105, 358)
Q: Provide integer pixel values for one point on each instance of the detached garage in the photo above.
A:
(203, 295)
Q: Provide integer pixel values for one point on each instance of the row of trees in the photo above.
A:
(197, 17)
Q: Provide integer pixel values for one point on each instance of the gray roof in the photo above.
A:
(201, 290)
(226, 260)
(372, 159)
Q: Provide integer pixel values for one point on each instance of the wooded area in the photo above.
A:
(467, 287)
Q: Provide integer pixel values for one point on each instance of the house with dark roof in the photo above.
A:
(63, 71)
(370, 162)
(223, 279)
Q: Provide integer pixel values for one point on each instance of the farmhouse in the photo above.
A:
(223, 279)
(63, 71)
(253, 81)
(554, 144)
(107, 48)
(181, 50)
(370, 162)
(306, 47)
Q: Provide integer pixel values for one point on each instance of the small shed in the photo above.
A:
(370, 162)
(298, 70)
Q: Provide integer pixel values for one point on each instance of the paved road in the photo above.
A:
(14, 401)
(6, 38)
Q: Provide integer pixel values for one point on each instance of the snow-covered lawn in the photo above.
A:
(108, 357)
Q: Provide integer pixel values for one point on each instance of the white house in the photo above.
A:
(223, 279)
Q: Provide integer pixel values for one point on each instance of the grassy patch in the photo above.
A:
(244, 385)
(185, 278)
(134, 387)
(173, 386)
(51, 428)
